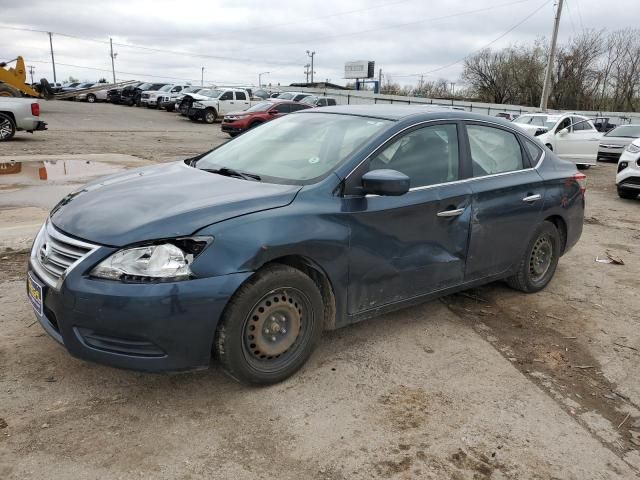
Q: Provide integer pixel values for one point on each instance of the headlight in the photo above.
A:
(165, 261)
(197, 105)
(631, 148)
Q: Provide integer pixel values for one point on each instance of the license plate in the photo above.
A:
(34, 291)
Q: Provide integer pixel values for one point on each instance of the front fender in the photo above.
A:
(246, 244)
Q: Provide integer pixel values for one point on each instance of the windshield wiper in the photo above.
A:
(230, 172)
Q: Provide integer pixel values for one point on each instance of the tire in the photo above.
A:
(544, 246)
(285, 306)
(549, 146)
(210, 115)
(169, 108)
(9, 91)
(583, 166)
(91, 98)
(627, 194)
(7, 127)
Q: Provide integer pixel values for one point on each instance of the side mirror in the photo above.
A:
(385, 182)
(563, 132)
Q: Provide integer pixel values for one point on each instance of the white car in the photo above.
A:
(218, 103)
(628, 176)
(294, 96)
(150, 98)
(571, 136)
(99, 96)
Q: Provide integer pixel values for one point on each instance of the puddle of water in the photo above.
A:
(54, 171)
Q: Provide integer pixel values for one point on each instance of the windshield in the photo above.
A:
(626, 131)
(156, 86)
(298, 148)
(166, 88)
(85, 85)
(537, 120)
(211, 93)
(144, 86)
(192, 90)
(260, 107)
(286, 96)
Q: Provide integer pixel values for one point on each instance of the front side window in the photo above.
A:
(283, 108)
(565, 123)
(428, 155)
(493, 150)
(241, 96)
(295, 149)
(581, 124)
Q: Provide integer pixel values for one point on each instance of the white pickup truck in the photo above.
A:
(220, 102)
(18, 114)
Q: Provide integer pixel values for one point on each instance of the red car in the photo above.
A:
(235, 123)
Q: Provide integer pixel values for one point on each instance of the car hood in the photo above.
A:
(161, 201)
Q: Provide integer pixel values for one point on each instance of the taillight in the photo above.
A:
(581, 180)
(35, 109)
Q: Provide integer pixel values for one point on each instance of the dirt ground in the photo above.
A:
(490, 383)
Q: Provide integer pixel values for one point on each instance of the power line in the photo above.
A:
(500, 37)
(580, 15)
(395, 26)
(152, 49)
(573, 28)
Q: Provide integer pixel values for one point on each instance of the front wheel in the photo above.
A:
(7, 127)
(270, 327)
(91, 98)
(210, 115)
(539, 262)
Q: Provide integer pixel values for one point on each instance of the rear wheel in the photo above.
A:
(539, 262)
(627, 193)
(271, 326)
(91, 98)
(583, 166)
(7, 127)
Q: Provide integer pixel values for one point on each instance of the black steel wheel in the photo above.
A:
(270, 326)
(538, 264)
(7, 127)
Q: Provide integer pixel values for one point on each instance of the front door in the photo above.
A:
(508, 195)
(580, 143)
(405, 246)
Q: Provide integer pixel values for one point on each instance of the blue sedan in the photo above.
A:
(307, 223)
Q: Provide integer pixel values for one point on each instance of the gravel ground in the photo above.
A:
(489, 383)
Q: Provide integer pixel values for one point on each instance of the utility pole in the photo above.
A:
(453, 89)
(113, 57)
(546, 88)
(379, 79)
(306, 71)
(202, 77)
(311, 54)
(53, 62)
(31, 69)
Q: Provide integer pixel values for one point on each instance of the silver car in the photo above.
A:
(615, 141)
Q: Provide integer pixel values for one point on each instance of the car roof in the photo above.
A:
(400, 112)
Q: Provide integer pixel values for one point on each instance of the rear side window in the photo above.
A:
(535, 152)
(227, 96)
(283, 108)
(300, 106)
(493, 150)
(241, 96)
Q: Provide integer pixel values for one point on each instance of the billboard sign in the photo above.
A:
(359, 69)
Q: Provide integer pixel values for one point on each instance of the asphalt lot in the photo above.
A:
(490, 383)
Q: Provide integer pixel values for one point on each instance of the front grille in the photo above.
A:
(631, 181)
(55, 253)
(609, 155)
(145, 95)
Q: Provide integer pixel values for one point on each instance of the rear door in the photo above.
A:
(242, 101)
(507, 199)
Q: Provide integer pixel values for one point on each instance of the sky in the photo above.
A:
(236, 40)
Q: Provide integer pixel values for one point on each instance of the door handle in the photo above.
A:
(532, 198)
(451, 213)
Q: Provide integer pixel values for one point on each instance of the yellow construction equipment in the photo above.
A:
(13, 81)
